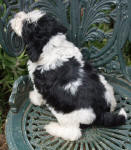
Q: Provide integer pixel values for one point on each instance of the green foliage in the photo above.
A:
(0, 122)
(100, 43)
(127, 53)
(10, 69)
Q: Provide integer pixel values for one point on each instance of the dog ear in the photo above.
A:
(27, 32)
(36, 35)
(51, 26)
(60, 28)
(33, 46)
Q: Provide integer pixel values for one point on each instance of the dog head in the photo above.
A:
(36, 28)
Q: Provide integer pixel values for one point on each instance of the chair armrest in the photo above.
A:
(20, 92)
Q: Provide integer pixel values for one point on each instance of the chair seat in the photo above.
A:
(25, 127)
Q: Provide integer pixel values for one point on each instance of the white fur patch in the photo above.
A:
(57, 51)
(109, 93)
(68, 124)
(73, 86)
(31, 68)
(36, 98)
(84, 116)
(67, 133)
(122, 112)
(17, 21)
(35, 15)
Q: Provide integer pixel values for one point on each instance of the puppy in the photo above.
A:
(74, 92)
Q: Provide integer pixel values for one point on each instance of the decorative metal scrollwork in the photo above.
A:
(11, 43)
(82, 18)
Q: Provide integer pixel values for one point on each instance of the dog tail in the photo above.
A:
(109, 119)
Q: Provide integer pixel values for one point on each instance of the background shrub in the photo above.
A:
(10, 69)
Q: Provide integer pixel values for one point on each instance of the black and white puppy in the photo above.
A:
(71, 88)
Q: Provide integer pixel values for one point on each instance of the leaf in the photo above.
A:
(1, 10)
(94, 15)
(94, 34)
(124, 33)
(113, 14)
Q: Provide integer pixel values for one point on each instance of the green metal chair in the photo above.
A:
(83, 18)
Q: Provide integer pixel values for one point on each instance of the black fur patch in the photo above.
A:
(36, 35)
(51, 85)
(90, 94)
(109, 119)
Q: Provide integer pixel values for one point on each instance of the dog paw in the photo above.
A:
(66, 133)
(36, 98)
(52, 128)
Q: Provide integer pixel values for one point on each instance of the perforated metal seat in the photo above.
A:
(25, 122)
(25, 129)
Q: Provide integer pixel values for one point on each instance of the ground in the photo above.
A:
(3, 145)
(3, 113)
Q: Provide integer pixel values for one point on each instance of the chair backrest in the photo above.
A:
(87, 23)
